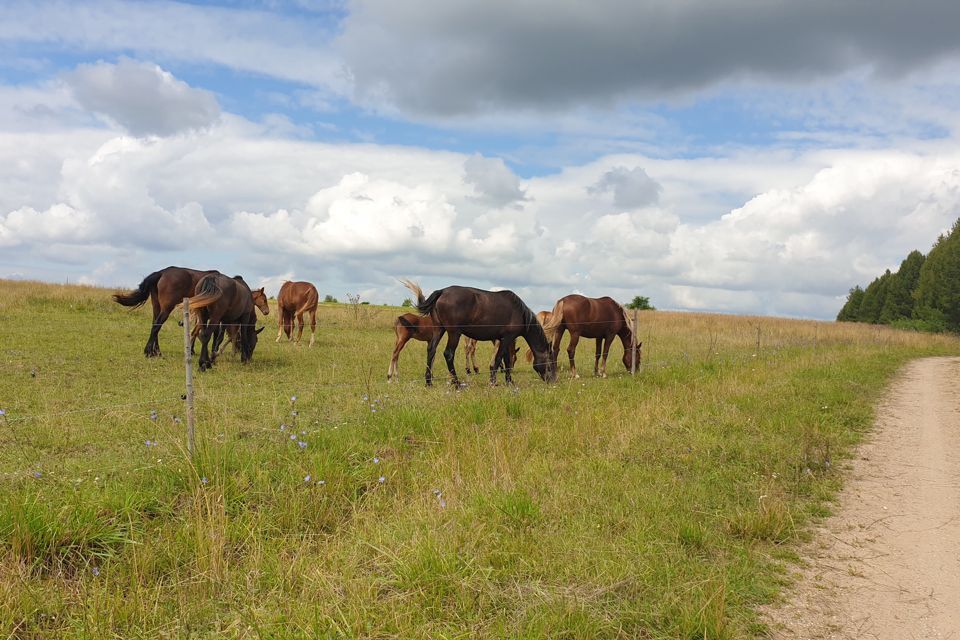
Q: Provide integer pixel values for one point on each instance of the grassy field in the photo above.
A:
(325, 503)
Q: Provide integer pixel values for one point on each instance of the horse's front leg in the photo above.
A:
(572, 352)
(506, 344)
(596, 359)
(205, 361)
(606, 350)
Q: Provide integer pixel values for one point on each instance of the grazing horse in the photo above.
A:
(296, 299)
(230, 333)
(600, 318)
(485, 315)
(166, 289)
(227, 301)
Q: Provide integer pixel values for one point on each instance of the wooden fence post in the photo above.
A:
(188, 365)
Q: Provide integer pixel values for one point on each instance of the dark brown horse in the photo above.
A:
(166, 289)
(222, 301)
(600, 318)
(232, 331)
(296, 299)
(485, 315)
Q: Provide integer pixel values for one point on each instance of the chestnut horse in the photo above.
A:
(296, 299)
(485, 315)
(600, 318)
(166, 289)
(409, 326)
(220, 300)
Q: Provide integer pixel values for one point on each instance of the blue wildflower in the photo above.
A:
(307, 478)
(95, 570)
(153, 415)
(37, 474)
(302, 444)
(381, 480)
(293, 436)
(2, 412)
(376, 460)
(204, 480)
(293, 398)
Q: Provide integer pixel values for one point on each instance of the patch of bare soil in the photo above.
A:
(887, 565)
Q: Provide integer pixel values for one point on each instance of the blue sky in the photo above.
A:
(744, 157)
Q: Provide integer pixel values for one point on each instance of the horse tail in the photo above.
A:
(415, 288)
(139, 295)
(208, 292)
(425, 307)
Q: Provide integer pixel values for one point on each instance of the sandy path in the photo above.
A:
(887, 565)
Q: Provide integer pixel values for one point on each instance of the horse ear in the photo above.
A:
(260, 329)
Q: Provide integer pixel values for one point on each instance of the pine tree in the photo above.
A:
(938, 288)
(851, 308)
(874, 298)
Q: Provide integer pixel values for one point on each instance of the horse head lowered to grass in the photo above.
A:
(485, 315)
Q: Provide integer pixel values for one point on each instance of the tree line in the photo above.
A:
(923, 294)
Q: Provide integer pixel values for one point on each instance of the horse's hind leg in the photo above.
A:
(280, 323)
(448, 354)
(153, 342)
(431, 354)
(596, 360)
(300, 324)
(402, 339)
(153, 347)
(313, 325)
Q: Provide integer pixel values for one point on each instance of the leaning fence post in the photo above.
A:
(633, 346)
(187, 363)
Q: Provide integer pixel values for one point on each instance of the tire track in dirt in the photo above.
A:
(887, 564)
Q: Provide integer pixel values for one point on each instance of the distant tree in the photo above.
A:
(874, 298)
(900, 291)
(642, 303)
(407, 302)
(329, 298)
(851, 309)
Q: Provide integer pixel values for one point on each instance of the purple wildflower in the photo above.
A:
(293, 436)
(37, 474)
(95, 570)
(153, 415)
(376, 460)
(293, 398)
(2, 412)
(381, 480)
(204, 480)
(301, 444)
(306, 478)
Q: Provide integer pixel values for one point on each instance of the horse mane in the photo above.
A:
(627, 320)
(534, 331)
(414, 287)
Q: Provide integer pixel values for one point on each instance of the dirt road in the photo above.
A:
(887, 565)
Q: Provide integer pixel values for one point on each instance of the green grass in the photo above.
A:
(661, 506)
